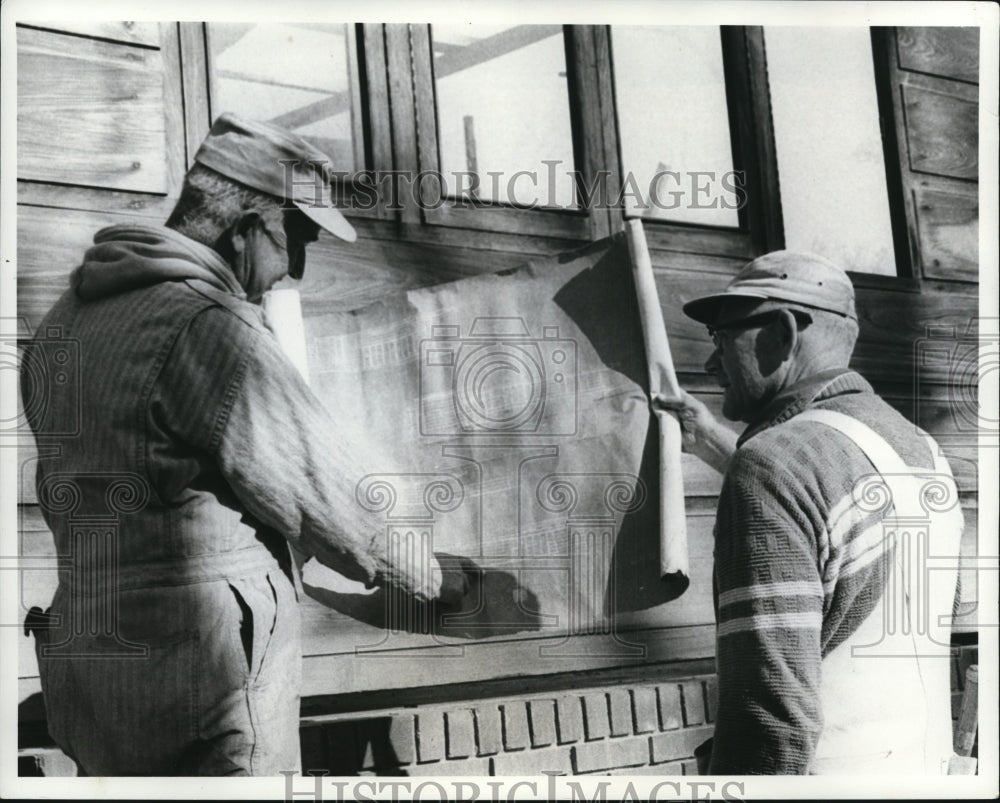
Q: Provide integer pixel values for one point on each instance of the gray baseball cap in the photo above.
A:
(797, 277)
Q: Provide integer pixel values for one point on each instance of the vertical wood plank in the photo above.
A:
(892, 125)
(378, 132)
(772, 231)
(411, 98)
(378, 96)
(598, 135)
(173, 107)
(894, 120)
(425, 105)
(194, 85)
(354, 66)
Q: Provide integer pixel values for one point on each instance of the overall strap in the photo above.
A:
(895, 472)
(885, 459)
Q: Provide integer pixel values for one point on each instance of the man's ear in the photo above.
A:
(776, 343)
(232, 241)
(785, 331)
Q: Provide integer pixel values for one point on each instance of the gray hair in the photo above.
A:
(210, 202)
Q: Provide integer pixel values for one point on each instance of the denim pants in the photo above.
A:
(201, 679)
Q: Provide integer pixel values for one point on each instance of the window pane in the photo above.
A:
(831, 164)
(302, 77)
(503, 108)
(674, 123)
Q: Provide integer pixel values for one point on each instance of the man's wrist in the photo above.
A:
(718, 449)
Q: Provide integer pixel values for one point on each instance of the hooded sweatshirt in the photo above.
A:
(128, 257)
(179, 450)
(177, 383)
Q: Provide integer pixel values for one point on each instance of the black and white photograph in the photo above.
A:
(516, 401)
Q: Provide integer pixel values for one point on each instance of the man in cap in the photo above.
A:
(826, 662)
(172, 643)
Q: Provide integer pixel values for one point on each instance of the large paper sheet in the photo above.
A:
(511, 416)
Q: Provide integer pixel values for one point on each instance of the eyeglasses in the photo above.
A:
(716, 331)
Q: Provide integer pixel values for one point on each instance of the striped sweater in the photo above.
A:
(798, 571)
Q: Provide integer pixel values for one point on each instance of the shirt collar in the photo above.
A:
(794, 399)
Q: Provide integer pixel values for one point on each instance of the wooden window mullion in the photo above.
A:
(745, 65)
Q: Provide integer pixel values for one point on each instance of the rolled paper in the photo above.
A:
(283, 315)
(662, 382)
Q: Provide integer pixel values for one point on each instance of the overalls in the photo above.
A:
(886, 690)
(173, 645)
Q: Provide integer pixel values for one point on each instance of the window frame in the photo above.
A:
(752, 141)
(902, 212)
(397, 97)
(596, 147)
(575, 224)
(370, 102)
(890, 122)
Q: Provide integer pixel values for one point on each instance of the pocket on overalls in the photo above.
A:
(257, 605)
(274, 665)
(154, 701)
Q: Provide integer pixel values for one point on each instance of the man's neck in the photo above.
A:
(791, 399)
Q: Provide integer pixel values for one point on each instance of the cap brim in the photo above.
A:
(330, 219)
(706, 309)
(312, 194)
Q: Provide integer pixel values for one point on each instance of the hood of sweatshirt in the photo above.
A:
(127, 257)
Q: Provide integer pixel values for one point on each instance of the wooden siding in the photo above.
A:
(932, 109)
(932, 77)
(90, 113)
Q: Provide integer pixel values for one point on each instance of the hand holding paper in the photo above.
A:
(702, 434)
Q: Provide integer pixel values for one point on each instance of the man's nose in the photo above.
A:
(712, 362)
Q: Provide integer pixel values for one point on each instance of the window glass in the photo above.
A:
(302, 77)
(831, 164)
(503, 113)
(673, 124)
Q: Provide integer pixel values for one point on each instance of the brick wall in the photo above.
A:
(628, 729)
(632, 729)
(617, 728)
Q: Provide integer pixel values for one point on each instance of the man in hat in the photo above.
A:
(828, 662)
(172, 643)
